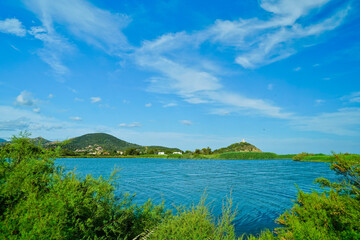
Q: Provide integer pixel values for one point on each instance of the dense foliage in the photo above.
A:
(40, 201)
(106, 141)
(333, 214)
(248, 155)
(238, 147)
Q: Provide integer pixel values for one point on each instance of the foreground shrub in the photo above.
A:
(196, 223)
(40, 201)
(333, 214)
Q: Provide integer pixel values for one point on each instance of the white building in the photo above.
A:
(161, 153)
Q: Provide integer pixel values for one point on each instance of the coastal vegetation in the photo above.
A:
(40, 201)
(100, 145)
(311, 157)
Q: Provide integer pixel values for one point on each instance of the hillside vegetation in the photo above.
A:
(311, 157)
(106, 145)
(88, 143)
(238, 147)
(106, 141)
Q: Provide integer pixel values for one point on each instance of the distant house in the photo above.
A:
(120, 152)
(161, 153)
(177, 152)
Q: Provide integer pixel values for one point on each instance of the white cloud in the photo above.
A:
(255, 43)
(82, 19)
(186, 122)
(55, 47)
(352, 98)
(130, 125)
(261, 42)
(148, 105)
(85, 21)
(78, 99)
(95, 99)
(343, 122)
(15, 48)
(242, 103)
(76, 118)
(169, 105)
(25, 99)
(12, 26)
(36, 110)
(319, 101)
(14, 119)
(14, 125)
(297, 69)
(50, 96)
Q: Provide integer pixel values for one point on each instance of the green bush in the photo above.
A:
(196, 223)
(40, 201)
(333, 214)
(247, 155)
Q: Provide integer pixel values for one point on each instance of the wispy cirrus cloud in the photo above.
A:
(343, 122)
(352, 98)
(186, 122)
(80, 18)
(172, 104)
(130, 125)
(85, 21)
(12, 26)
(76, 118)
(95, 99)
(255, 42)
(55, 47)
(260, 42)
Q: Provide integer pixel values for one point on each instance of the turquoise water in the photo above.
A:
(261, 189)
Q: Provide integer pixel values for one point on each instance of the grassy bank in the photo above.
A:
(310, 157)
(228, 155)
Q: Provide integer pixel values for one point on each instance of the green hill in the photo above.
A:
(106, 141)
(39, 141)
(238, 147)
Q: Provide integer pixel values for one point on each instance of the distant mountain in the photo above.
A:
(163, 149)
(238, 147)
(106, 141)
(93, 140)
(2, 141)
(39, 141)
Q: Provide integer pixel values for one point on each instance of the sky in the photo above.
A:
(281, 74)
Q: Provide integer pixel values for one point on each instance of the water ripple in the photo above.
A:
(261, 189)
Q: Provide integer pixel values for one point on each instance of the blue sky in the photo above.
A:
(283, 74)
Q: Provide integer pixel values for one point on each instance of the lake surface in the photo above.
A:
(261, 189)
